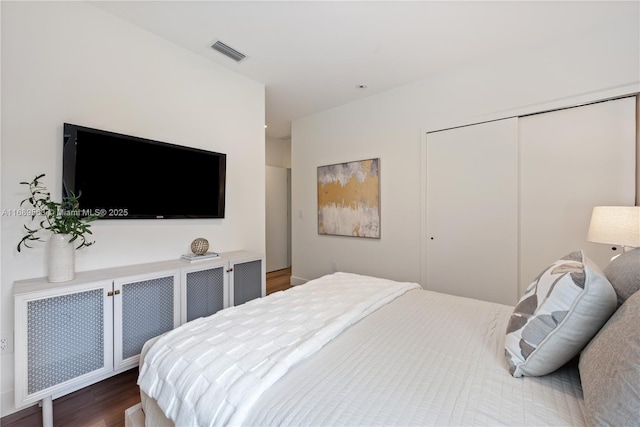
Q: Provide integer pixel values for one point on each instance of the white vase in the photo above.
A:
(61, 258)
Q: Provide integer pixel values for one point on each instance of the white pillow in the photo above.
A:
(562, 309)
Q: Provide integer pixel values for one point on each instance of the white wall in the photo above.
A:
(277, 218)
(392, 125)
(71, 62)
(638, 151)
(278, 153)
(278, 160)
(1, 324)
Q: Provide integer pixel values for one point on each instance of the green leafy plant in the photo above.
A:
(56, 217)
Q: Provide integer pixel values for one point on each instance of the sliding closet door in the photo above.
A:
(472, 211)
(570, 161)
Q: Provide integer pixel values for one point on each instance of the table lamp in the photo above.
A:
(615, 225)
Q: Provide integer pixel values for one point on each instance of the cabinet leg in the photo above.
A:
(47, 412)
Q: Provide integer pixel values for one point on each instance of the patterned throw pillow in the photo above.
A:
(562, 309)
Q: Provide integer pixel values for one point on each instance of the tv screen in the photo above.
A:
(119, 176)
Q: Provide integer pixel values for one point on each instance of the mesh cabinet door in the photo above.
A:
(143, 310)
(204, 292)
(247, 281)
(61, 340)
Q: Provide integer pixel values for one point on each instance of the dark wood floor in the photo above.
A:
(99, 405)
(103, 404)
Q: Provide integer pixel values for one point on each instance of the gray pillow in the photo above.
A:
(624, 274)
(610, 369)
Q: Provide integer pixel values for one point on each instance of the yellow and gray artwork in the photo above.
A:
(349, 199)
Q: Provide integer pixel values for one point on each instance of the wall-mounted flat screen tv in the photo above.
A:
(120, 176)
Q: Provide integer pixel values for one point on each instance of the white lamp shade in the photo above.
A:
(615, 225)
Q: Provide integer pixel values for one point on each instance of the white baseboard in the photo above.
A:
(295, 281)
(7, 403)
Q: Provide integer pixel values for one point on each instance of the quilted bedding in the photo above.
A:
(423, 359)
(212, 370)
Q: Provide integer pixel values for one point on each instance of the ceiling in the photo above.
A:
(311, 55)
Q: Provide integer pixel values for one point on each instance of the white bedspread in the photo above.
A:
(212, 370)
(426, 359)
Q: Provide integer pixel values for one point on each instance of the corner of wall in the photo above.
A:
(296, 281)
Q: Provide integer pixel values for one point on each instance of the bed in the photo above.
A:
(328, 353)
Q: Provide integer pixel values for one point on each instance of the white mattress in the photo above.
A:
(424, 359)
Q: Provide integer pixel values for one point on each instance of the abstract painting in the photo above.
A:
(349, 199)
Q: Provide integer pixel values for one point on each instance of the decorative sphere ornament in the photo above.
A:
(200, 246)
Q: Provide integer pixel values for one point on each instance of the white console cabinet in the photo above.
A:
(73, 334)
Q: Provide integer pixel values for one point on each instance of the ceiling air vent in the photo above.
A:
(228, 51)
